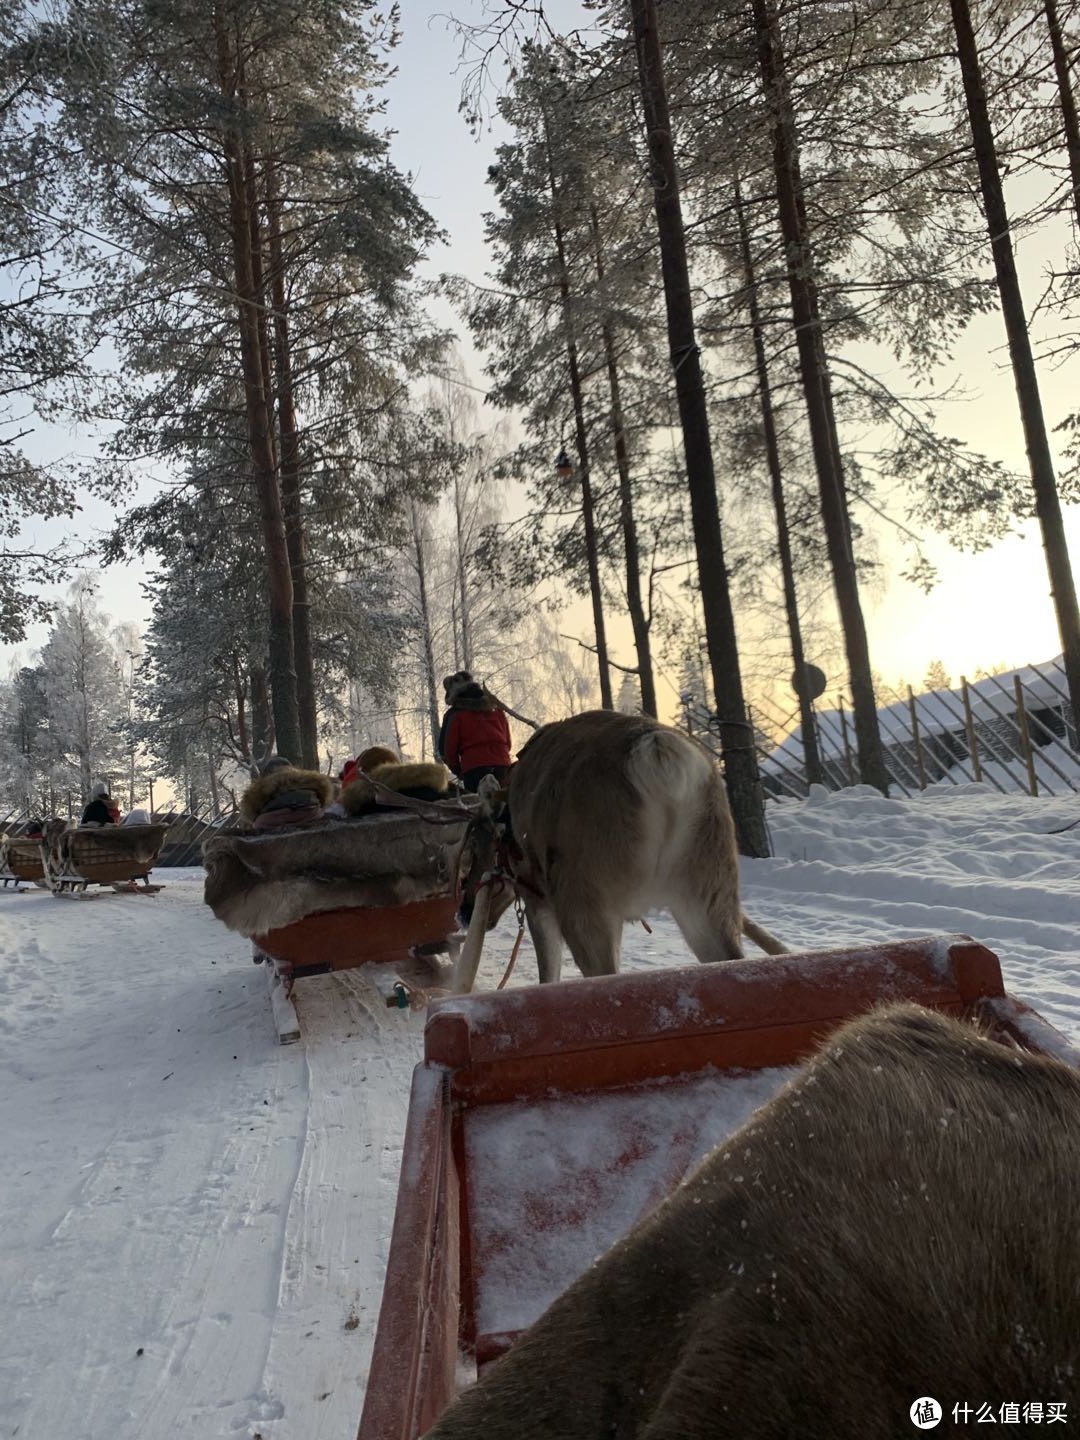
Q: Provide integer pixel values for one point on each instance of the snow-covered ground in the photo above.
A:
(194, 1220)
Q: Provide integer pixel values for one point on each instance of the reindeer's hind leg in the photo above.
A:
(711, 931)
(593, 935)
(546, 938)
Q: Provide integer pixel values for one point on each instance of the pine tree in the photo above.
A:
(234, 160)
(82, 688)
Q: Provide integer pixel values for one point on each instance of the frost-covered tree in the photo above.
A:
(83, 691)
(936, 677)
(629, 701)
(44, 335)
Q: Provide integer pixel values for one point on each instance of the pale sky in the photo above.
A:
(988, 608)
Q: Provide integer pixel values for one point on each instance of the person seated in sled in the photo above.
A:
(380, 764)
(102, 809)
(475, 736)
(283, 794)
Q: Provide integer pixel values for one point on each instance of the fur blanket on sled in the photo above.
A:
(420, 782)
(260, 882)
(282, 783)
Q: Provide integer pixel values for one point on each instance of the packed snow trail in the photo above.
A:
(194, 1220)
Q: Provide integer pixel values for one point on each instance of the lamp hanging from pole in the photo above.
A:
(563, 468)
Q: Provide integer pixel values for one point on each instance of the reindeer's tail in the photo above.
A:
(665, 768)
(762, 939)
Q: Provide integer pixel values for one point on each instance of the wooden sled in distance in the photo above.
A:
(119, 858)
(21, 863)
(618, 1086)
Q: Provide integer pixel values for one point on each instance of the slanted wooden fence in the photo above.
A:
(1014, 732)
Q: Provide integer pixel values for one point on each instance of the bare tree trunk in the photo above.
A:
(811, 756)
(249, 303)
(239, 690)
(1070, 122)
(215, 801)
(426, 638)
(291, 496)
(817, 387)
(1047, 502)
(460, 497)
(736, 735)
(588, 508)
(262, 734)
(639, 620)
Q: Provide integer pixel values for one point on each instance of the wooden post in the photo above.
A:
(919, 766)
(847, 742)
(969, 726)
(1025, 737)
(151, 784)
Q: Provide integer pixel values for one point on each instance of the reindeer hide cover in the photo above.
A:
(259, 882)
(901, 1221)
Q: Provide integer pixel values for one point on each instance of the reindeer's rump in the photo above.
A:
(901, 1221)
(257, 882)
(589, 780)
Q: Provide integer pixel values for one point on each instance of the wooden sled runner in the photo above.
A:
(381, 890)
(116, 857)
(618, 1086)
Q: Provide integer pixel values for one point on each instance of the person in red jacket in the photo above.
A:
(475, 736)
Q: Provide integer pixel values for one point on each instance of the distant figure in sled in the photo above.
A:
(475, 736)
(102, 809)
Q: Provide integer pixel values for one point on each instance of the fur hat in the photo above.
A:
(284, 777)
(375, 755)
(99, 790)
(465, 693)
(456, 681)
(421, 781)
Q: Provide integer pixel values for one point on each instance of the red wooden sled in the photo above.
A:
(361, 935)
(613, 1081)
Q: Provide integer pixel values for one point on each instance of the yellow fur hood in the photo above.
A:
(261, 791)
(359, 795)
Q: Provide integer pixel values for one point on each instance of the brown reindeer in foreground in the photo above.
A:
(613, 815)
(902, 1221)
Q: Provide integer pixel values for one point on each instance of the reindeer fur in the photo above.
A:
(260, 882)
(616, 815)
(261, 791)
(903, 1220)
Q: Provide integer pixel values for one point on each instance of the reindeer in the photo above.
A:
(611, 815)
(900, 1222)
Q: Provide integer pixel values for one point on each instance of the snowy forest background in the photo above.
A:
(212, 273)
